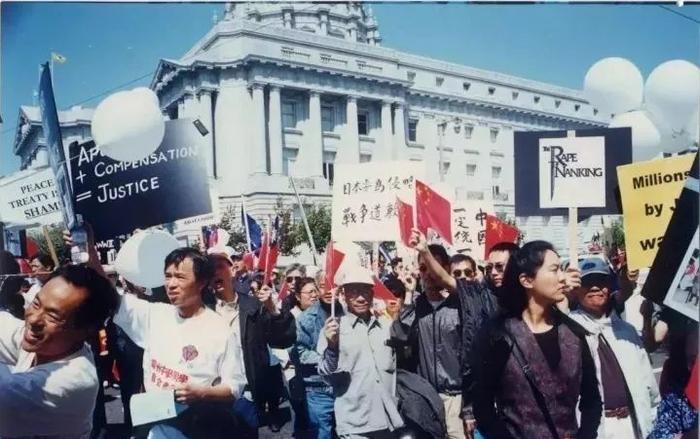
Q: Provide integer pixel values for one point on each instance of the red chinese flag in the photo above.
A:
(405, 214)
(262, 254)
(691, 390)
(498, 231)
(249, 260)
(433, 211)
(381, 291)
(284, 291)
(333, 260)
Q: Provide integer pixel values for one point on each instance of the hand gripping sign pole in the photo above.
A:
(306, 223)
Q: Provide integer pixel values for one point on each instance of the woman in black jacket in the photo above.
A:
(532, 365)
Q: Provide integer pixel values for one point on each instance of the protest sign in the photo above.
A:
(364, 199)
(649, 191)
(566, 166)
(469, 227)
(673, 278)
(554, 172)
(54, 144)
(168, 185)
(30, 198)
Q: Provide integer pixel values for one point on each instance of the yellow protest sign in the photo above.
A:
(649, 191)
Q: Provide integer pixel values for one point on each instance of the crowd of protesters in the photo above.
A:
(521, 347)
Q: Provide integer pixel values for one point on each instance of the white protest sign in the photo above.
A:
(30, 198)
(364, 199)
(154, 406)
(469, 227)
(572, 172)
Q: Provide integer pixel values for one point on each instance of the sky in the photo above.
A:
(117, 46)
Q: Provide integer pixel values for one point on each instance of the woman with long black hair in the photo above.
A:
(532, 365)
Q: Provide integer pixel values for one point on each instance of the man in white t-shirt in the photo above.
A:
(48, 382)
(187, 347)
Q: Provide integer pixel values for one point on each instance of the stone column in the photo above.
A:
(384, 152)
(349, 150)
(181, 109)
(399, 132)
(274, 126)
(258, 150)
(310, 158)
(206, 116)
(189, 107)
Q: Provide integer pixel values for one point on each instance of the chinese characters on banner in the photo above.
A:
(469, 227)
(364, 199)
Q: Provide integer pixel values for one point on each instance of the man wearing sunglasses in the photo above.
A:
(463, 267)
(625, 378)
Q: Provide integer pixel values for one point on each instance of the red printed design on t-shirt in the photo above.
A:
(165, 377)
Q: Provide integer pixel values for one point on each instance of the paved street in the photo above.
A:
(115, 417)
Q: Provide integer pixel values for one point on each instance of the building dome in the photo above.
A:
(350, 21)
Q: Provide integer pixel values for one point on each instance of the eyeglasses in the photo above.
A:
(311, 292)
(467, 273)
(293, 278)
(499, 267)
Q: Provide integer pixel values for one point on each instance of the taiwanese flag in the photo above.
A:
(381, 291)
(333, 260)
(498, 231)
(691, 390)
(405, 214)
(433, 211)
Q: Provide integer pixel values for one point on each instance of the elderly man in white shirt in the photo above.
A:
(48, 382)
(627, 385)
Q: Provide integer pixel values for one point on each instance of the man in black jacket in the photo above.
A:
(431, 330)
(257, 321)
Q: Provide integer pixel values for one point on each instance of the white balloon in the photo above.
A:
(674, 139)
(140, 259)
(613, 86)
(128, 125)
(645, 136)
(672, 92)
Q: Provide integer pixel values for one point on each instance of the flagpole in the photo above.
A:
(245, 221)
(306, 223)
(267, 253)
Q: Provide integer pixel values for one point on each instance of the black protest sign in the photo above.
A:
(672, 279)
(168, 185)
(528, 160)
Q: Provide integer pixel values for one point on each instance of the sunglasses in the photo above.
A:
(293, 278)
(498, 267)
(467, 273)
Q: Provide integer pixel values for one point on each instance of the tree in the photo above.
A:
(236, 231)
(56, 236)
(319, 218)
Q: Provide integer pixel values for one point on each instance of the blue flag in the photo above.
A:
(54, 145)
(254, 231)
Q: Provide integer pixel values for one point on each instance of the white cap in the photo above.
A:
(353, 274)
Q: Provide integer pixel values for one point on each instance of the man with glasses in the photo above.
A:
(463, 267)
(358, 363)
(497, 260)
(469, 304)
(625, 378)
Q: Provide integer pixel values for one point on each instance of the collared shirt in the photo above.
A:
(230, 312)
(362, 372)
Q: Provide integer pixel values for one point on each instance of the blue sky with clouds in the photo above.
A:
(109, 45)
